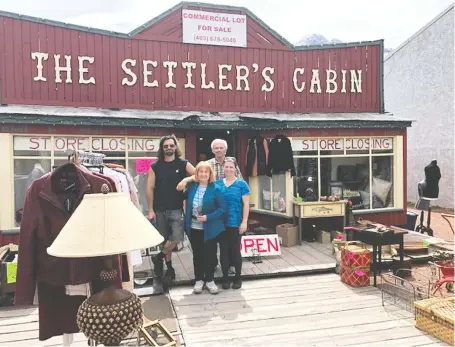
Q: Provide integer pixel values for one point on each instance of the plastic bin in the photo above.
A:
(411, 219)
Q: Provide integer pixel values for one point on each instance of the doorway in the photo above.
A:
(204, 140)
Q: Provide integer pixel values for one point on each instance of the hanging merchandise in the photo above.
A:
(280, 156)
(257, 156)
(58, 282)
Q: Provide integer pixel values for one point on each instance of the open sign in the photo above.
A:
(263, 245)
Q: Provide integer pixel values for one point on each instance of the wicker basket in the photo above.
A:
(435, 316)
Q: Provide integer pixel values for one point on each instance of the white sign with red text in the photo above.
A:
(262, 245)
(210, 28)
(339, 144)
(97, 144)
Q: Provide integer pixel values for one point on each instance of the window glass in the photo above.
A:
(143, 147)
(32, 146)
(139, 171)
(306, 147)
(357, 145)
(110, 146)
(382, 145)
(382, 186)
(347, 177)
(333, 146)
(25, 172)
(272, 193)
(306, 179)
(64, 143)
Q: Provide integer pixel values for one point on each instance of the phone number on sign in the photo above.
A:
(214, 38)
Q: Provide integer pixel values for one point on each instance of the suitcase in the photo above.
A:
(355, 264)
(355, 254)
(355, 277)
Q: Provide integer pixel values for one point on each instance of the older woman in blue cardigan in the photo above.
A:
(204, 222)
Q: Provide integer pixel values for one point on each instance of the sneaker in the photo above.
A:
(226, 285)
(212, 287)
(237, 284)
(169, 277)
(197, 289)
(157, 266)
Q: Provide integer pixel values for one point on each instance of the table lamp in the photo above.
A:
(104, 225)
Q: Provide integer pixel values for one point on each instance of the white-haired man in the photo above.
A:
(219, 149)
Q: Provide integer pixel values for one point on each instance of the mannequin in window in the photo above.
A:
(36, 173)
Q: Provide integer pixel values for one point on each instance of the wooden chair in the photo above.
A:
(150, 330)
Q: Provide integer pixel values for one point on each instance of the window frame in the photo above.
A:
(7, 220)
(397, 184)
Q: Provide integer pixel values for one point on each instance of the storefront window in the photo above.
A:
(348, 178)
(383, 180)
(32, 146)
(306, 181)
(272, 193)
(37, 155)
(359, 169)
(344, 169)
(25, 172)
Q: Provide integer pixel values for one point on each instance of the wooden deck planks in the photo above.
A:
(298, 259)
(305, 310)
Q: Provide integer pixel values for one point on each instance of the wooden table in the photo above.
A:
(377, 240)
(317, 209)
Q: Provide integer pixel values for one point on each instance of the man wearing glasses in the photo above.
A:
(165, 202)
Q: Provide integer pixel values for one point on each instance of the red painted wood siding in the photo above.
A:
(6, 239)
(170, 29)
(18, 38)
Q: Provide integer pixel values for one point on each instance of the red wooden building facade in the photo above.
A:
(64, 86)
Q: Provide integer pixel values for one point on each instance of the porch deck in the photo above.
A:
(307, 258)
(314, 310)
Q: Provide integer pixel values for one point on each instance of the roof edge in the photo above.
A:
(62, 24)
(153, 21)
(194, 123)
(419, 32)
(340, 45)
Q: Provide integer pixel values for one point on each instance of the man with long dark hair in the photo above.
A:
(166, 202)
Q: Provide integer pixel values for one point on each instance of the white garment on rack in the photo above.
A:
(116, 176)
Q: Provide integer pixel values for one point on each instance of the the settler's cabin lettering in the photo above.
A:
(230, 77)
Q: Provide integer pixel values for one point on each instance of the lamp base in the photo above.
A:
(109, 316)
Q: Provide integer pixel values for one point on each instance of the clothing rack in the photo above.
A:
(86, 158)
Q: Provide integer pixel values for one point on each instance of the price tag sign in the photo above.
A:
(11, 271)
(143, 165)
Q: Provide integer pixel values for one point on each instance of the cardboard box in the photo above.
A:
(289, 234)
(323, 237)
(337, 235)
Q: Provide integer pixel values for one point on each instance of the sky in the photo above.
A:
(347, 20)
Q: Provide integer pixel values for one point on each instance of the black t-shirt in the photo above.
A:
(167, 176)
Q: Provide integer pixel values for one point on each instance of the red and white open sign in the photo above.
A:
(263, 245)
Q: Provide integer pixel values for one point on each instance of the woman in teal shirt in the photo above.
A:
(204, 222)
(237, 194)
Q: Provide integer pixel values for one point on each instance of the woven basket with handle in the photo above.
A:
(435, 316)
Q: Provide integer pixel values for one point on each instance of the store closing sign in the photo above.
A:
(340, 144)
(97, 144)
(262, 245)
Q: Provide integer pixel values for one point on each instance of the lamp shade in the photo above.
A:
(104, 224)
